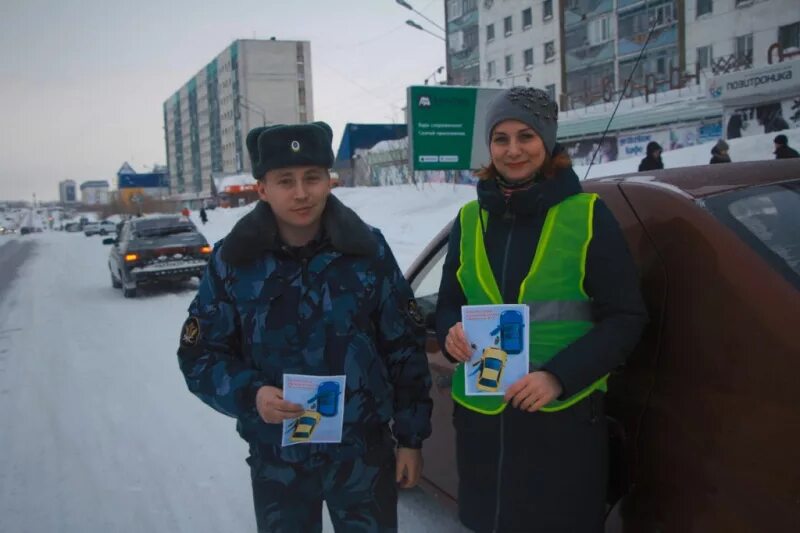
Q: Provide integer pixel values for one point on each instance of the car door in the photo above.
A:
(115, 256)
(439, 450)
(718, 443)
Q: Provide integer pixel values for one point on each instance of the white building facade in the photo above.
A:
(251, 83)
(94, 192)
(520, 44)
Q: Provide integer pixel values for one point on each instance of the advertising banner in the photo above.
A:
(635, 144)
(446, 127)
(581, 152)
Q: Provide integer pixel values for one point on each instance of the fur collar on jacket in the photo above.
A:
(257, 233)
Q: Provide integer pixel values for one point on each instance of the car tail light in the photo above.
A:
(129, 258)
(205, 249)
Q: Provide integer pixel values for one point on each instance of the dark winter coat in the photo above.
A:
(568, 478)
(786, 152)
(651, 163)
(651, 160)
(339, 305)
(719, 158)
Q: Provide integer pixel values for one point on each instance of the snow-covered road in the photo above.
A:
(98, 432)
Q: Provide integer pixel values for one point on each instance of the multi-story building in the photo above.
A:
(463, 54)
(584, 51)
(66, 192)
(520, 44)
(249, 84)
(94, 192)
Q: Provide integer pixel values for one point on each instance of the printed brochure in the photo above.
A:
(322, 397)
(498, 335)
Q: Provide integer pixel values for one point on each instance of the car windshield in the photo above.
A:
(162, 226)
(767, 218)
(493, 364)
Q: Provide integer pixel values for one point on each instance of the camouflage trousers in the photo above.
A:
(361, 494)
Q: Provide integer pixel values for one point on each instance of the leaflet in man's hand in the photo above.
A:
(499, 336)
(322, 397)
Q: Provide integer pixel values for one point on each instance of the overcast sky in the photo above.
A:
(82, 83)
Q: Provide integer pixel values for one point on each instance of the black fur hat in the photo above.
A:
(290, 145)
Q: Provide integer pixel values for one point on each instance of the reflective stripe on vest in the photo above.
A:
(560, 312)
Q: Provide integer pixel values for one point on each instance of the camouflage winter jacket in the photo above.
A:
(338, 306)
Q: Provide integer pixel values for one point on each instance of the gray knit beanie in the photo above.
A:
(526, 104)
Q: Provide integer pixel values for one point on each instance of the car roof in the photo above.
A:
(158, 218)
(707, 180)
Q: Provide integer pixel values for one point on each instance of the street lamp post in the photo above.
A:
(433, 75)
(408, 6)
(418, 27)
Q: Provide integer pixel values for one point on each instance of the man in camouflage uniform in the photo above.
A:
(302, 285)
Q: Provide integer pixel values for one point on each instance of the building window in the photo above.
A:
(489, 33)
(663, 15)
(456, 41)
(528, 55)
(704, 7)
(789, 36)
(744, 46)
(547, 10)
(599, 30)
(551, 91)
(507, 26)
(743, 2)
(471, 37)
(490, 70)
(549, 51)
(705, 54)
(454, 9)
(661, 65)
(527, 18)
(509, 64)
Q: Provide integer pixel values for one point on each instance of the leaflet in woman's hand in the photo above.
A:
(498, 335)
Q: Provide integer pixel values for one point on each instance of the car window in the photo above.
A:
(426, 284)
(767, 218)
(157, 227)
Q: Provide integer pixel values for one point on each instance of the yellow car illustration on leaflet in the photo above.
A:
(493, 361)
(304, 426)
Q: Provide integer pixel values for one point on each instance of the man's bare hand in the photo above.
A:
(409, 467)
(272, 408)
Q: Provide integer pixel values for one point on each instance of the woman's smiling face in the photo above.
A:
(516, 149)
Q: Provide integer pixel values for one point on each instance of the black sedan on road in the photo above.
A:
(153, 249)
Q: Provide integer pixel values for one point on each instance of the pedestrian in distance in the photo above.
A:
(782, 148)
(536, 459)
(652, 160)
(719, 153)
(301, 285)
(185, 212)
(203, 215)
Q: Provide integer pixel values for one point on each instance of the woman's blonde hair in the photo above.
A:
(549, 169)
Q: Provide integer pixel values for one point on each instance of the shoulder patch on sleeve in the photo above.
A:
(190, 333)
(414, 314)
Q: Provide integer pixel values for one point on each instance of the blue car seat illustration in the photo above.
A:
(327, 398)
(511, 332)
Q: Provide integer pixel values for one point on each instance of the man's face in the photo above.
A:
(297, 195)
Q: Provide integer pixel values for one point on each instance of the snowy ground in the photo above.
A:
(99, 433)
(97, 430)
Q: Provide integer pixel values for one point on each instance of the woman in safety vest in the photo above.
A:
(536, 459)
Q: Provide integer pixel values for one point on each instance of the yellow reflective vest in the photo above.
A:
(553, 290)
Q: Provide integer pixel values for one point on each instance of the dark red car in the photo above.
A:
(705, 416)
